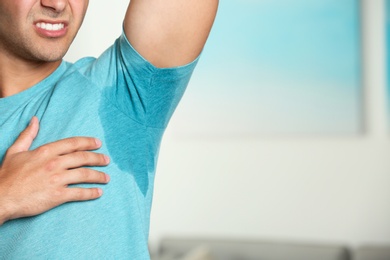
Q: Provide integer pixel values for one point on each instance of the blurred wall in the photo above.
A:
(324, 189)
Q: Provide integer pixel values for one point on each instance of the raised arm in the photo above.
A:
(169, 33)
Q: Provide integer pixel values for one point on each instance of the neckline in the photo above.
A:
(23, 96)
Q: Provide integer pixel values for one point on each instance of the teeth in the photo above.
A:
(50, 26)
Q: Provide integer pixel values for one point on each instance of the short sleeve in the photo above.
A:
(145, 93)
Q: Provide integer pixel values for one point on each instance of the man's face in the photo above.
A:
(39, 30)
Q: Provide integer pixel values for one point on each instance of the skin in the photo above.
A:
(167, 33)
(41, 177)
(32, 182)
(28, 56)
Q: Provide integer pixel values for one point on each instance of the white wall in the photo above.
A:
(324, 189)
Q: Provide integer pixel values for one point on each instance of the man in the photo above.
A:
(118, 104)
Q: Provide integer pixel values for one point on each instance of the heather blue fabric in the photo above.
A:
(127, 103)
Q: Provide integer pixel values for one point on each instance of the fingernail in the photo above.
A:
(107, 178)
(106, 158)
(100, 191)
(32, 120)
(98, 142)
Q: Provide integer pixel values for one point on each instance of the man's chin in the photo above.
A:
(48, 57)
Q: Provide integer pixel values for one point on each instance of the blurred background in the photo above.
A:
(283, 132)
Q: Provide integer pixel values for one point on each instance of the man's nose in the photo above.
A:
(56, 5)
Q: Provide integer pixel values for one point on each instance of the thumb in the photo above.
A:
(25, 139)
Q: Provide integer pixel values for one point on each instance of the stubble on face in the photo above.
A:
(19, 38)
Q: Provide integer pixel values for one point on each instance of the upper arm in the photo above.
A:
(169, 33)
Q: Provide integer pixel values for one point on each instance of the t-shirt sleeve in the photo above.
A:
(145, 93)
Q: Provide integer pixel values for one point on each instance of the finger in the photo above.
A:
(25, 139)
(80, 159)
(70, 145)
(81, 194)
(84, 175)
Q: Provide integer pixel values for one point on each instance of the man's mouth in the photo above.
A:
(51, 26)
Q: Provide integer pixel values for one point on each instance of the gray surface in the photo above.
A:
(172, 249)
(372, 253)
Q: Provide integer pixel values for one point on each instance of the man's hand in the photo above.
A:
(32, 182)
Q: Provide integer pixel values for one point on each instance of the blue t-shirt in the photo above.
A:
(124, 101)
